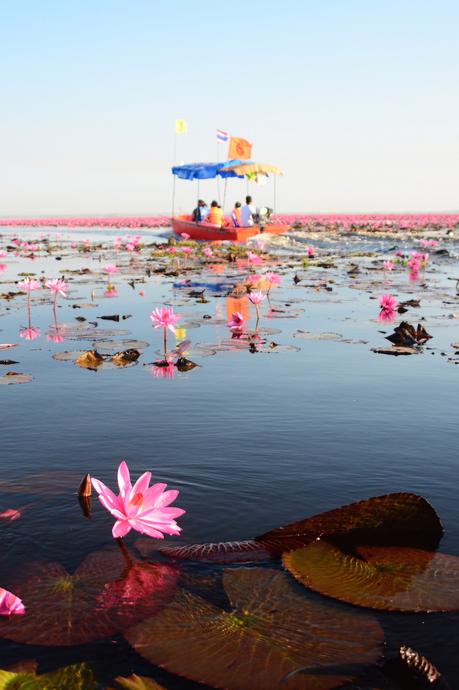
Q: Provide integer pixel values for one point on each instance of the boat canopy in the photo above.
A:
(207, 171)
(251, 168)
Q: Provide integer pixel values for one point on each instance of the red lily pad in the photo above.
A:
(103, 597)
(389, 578)
(219, 552)
(271, 632)
(395, 519)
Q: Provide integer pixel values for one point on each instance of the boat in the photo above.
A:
(184, 224)
(215, 233)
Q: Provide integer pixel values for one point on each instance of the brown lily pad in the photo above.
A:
(401, 518)
(122, 359)
(388, 578)
(89, 360)
(103, 597)
(13, 377)
(219, 552)
(407, 335)
(270, 633)
(395, 350)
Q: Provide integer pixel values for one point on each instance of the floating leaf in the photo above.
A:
(89, 360)
(219, 552)
(13, 377)
(389, 578)
(272, 631)
(407, 335)
(6, 346)
(184, 364)
(77, 677)
(123, 344)
(400, 518)
(103, 597)
(395, 350)
(122, 359)
(136, 682)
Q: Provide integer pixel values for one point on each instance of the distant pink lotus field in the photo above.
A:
(371, 221)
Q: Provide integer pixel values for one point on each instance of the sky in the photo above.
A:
(357, 101)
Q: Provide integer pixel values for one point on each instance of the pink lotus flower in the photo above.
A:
(254, 259)
(172, 250)
(185, 236)
(3, 253)
(164, 317)
(311, 252)
(111, 268)
(254, 279)
(10, 603)
(388, 265)
(141, 507)
(11, 514)
(3, 268)
(30, 333)
(414, 265)
(111, 291)
(388, 303)
(273, 279)
(257, 297)
(207, 251)
(237, 321)
(58, 286)
(186, 250)
(28, 285)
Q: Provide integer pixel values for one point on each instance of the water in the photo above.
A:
(253, 441)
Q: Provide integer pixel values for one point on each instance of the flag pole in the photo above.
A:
(218, 179)
(274, 200)
(173, 176)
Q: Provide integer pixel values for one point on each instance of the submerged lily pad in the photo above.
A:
(389, 578)
(271, 631)
(103, 597)
(219, 552)
(77, 677)
(400, 518)
(13, 377)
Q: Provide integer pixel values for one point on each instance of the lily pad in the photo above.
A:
(103, 597)
(89, 360)
(123, 344)
(395, 519)
(13, 377)
(271, 631)
(395, 350)
(389, 578)
(136, 682)
(77, 677)
(219, 552)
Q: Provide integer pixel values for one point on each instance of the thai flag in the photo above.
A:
(222, 135)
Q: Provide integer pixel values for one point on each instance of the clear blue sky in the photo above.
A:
(357, 101)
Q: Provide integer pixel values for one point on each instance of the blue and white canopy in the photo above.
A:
(206, 171)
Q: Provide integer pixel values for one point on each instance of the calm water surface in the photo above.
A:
(252, 441)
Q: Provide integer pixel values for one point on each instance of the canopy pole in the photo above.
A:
(173, 196)
(197, 200)
(224, 195)
(274, 200)
(218, 176)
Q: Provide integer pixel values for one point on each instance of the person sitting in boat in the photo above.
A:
(216, 214)
(201, 212)
(248, 213)
(236, 214)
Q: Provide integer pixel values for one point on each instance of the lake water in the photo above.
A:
(252, 440)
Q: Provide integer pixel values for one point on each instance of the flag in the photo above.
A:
(181, 127)
(239, 148)
(222, 136)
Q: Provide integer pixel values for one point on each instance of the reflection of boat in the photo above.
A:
(228, 169)
(208, 231)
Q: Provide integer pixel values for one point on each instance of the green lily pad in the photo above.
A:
(77, 677)
(389, 578)
(271, 632)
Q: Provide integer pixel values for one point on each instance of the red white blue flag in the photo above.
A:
(222, 136)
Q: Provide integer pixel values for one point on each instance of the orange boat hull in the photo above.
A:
(215, 233)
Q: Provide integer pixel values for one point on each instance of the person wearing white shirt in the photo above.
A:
(247, 213)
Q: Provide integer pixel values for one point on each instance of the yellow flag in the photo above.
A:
(181, 127)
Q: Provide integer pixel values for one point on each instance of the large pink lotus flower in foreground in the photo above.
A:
(388, 302)
(164, 317)
(10, 603)
(141, 507)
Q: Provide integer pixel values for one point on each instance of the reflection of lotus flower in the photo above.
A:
(141, 507)
(413, 276)
(185, 236)
(3, 253)
(254, 259)
(3, 267)
(273, 279)
(388, 302)
(388, 265)
(111, 268)
(414, 264)
(237, 321)
(139, 584)
(111, 291)
(387, 315)
(56, 334)
(29, 284)
(10, 603)
(256, 297)
(30, 333)
(164, 371)
(11, 514)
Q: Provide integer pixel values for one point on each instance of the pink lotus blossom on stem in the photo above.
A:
(273, 279)
(30, 333)
(11, 514)
(29, 284)
(58, 286)
(141, 507)
(164, 317)
(311, 252)
(254, 259)
(172, 250)
(10, 603)
(257, 297)
(414, 265)
(111, 268)
(185, 236)
(253, 279)
(388, 265)
(236, 322)
(186, 250)
(207, 251)
(388, 302)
